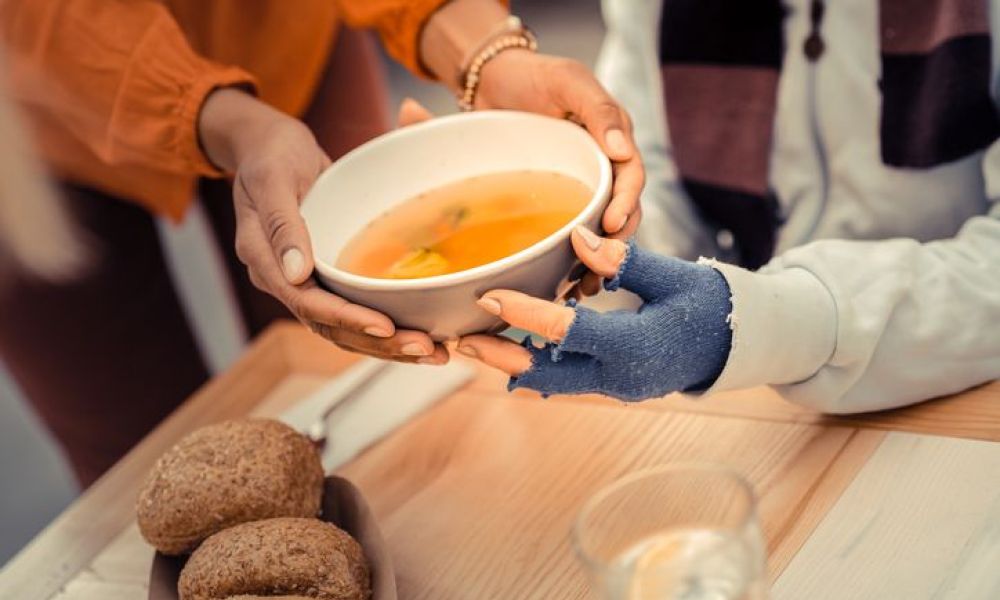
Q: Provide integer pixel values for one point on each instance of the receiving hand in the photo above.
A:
(678, 340)
(276, 160)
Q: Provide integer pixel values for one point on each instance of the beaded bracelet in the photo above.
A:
(514, 36)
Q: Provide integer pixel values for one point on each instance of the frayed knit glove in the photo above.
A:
(678, 340)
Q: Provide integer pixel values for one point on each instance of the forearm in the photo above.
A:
(912, 321)
(229, 121)
(915, 321)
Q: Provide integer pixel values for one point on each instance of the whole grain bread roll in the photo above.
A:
(301, 557)
(226, 474)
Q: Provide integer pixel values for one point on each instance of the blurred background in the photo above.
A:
(37, 484)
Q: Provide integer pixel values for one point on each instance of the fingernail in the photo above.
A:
(468, 351)
(490, 305)
(378, 332)
(621, 224)
(616, 142)
(292, 263)
(590, 238)
(414, 349)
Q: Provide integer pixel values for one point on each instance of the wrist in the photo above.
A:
(453, 33)
(784, 327)
(231, 123)
(495, 77)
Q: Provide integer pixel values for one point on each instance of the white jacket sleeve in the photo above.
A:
(851, 326)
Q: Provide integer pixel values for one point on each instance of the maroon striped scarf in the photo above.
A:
(721, 60)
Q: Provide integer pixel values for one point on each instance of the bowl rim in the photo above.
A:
(601, 193)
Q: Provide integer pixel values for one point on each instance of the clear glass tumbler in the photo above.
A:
(685, 531)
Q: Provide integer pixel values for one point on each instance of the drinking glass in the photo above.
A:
(674, 532)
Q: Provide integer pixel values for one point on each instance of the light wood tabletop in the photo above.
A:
(476, 495)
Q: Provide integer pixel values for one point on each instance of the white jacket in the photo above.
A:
(842, 326)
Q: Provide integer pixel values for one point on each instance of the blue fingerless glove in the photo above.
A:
(678, 340)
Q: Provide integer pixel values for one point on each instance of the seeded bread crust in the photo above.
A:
(226, 474)
(304, 557)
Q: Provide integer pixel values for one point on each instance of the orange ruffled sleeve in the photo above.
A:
(399, 23)
(115, 77)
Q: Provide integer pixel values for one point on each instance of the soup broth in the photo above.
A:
(465, 224)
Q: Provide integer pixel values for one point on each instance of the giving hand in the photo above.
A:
(564, 88)
(276, 160)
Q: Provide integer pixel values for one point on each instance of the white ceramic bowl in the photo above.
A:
(397, 166)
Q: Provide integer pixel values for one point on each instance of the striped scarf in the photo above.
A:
(721, 60)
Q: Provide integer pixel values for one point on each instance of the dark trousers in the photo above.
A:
(104, 358)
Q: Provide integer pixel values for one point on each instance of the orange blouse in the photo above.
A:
(114, 87)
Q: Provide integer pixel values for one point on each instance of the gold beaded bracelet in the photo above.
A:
(514, 36)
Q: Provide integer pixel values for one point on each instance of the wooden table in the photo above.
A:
(476, 496)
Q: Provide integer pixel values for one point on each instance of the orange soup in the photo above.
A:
(465, 224)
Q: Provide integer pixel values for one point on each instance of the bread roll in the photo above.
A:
(301, 557)
(226, 474)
